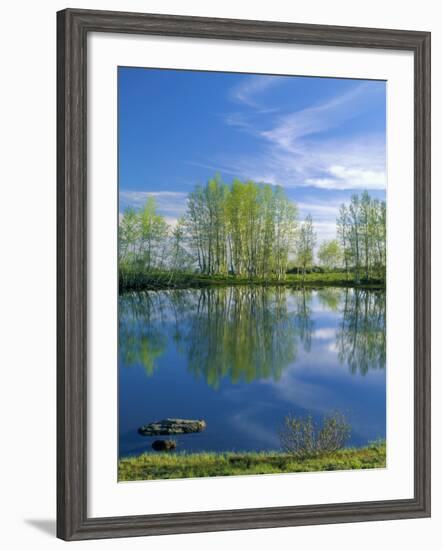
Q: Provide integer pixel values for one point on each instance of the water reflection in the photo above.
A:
(141, 338)
(243, 333)
(361, 334)
(330, 297)
(247, 333)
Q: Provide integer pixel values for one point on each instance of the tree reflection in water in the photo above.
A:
(141, 338)
(361, 334)
(246, 333)
(330, 297)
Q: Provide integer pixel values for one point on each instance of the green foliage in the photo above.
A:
(143, 236)
(306, 245)
(243, 228)
(330, 254)
(361, 229)
(249, 232)
(182, 465)
(303, 438)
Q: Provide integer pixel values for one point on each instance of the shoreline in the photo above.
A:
(163, 281)
(176, 465)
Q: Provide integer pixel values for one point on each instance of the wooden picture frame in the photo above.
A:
(73, 27)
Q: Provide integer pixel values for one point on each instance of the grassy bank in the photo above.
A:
(182, 465)
(139, 280)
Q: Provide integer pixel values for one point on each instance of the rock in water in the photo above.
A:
(164, 445)
(172, 426)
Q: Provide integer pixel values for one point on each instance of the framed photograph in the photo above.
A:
(243, 274)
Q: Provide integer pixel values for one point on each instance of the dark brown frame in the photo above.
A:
(73, 27)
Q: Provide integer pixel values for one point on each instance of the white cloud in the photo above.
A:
(325, 231)
(350, 178)
(324, 216)
(171, 204)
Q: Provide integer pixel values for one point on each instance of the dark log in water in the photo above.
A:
(172, 426)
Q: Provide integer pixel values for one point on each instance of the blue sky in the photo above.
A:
(322, 139)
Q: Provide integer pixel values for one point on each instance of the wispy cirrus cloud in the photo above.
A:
(298, 148)
(290, 128)
(252, 88)
(335, 164)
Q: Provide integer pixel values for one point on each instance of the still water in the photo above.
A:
(244, 357)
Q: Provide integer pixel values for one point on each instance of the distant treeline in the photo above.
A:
(362, 236)
(252, 230)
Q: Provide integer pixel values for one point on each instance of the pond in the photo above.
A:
(244, 357)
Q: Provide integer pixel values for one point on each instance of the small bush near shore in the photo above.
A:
(303, 438)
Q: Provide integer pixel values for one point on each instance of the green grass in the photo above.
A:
(132, 280)
(182, 465)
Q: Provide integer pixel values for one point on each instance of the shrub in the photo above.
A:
(303, 438)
